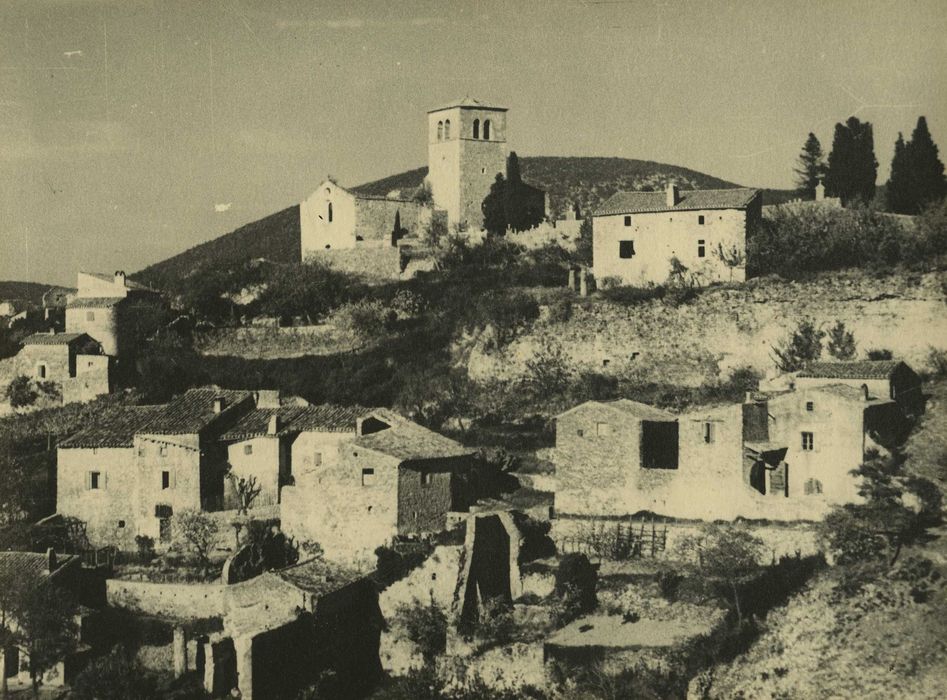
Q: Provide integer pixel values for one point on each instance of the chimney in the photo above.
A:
(673, 195)
(820, 191)
(749, 397)
(50, 560)
(218, 404)
(273, 426)
(52, 331)
(120, 277)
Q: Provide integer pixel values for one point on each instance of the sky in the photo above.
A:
(132, 130)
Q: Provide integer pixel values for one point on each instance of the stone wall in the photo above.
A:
(175, 600)
(728, 328)
(425, 496)
(364, 261)
(564, 233)
(99, 322)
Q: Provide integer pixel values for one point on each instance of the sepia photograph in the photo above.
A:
(473, 350)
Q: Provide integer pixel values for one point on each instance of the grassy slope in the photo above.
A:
(31, 291)
(585, 181)
(274, 237)
(880, 644)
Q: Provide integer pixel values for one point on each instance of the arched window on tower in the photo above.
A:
(447, 128)
(486, 129)
(440, 131)
(329, 212)
(476, 134)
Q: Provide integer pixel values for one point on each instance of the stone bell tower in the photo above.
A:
(466, 149)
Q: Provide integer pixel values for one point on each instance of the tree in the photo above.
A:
(727, 554)
(583, 247)
(917, 173)
(21, 392)
(246, 489)
(841, 343)
(199, 533)
(852, 167)
(732, 257)
(494, 207)
(39, 620)
(811, 166)
(898, 189)
(426, 626)
(803, 346)
(548, 370)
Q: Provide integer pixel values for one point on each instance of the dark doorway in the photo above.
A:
(758, 477)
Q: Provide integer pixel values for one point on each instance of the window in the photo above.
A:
(121, 523)
(317, 459)
(90, 315)
(368, 477)
(486, 129)
(580, 432)
(440, 131)
(708, 431)
(427, 478)
(812, 487)
(808, 442)
(163, 450)
(701, 249)
(41, 371)
(810, 406)
(447, 128)
(248, 449)
(165, 480)
(603, 429)
(626, 249)
(700, 220)
(95, 480)
(329, 212)
(476, 129)
(627, 221)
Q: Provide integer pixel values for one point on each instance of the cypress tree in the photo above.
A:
(927, 170)
(898, 190)
(811, 166)
(494, 207)
(852, 168)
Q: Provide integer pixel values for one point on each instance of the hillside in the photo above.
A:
(274, 237)
(584, 181)
(29, 291)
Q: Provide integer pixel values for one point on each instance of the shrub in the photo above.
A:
(21, 392)
(365, 320)
(115, 676)
(146, 548)
(506, 313)
(879, 354)
(937, 360)
(426, 626)
(393, 566)
(576, 580)
(622, 294)
(801, 347)
(669, 582)
(495, 625)
(841, 343)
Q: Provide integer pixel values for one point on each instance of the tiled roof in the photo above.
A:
(53, 338)
(641, 411)
(129, 284)
(644, 202)
(851, 393)
(115, 428)
(295, 419)
(93, 302)
(468, 102)
(406, 440)
(860, 369)
(318, 577)
(28, 566)
(192, 411)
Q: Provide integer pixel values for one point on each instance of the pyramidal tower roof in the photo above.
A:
(468, 102)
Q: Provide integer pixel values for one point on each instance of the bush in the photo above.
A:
(622, 294)
(365, 320)
(937, 360)
(801, 347)
(21, 392)
(576, 581)
(115, 676)
(393, 566)
(426, 626)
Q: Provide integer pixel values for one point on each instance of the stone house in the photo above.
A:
(73, 361)
(360, 233)
(635, 235)
(885, 379)
(129, 472)
(783, 456)
(110, 308)
(379, 479)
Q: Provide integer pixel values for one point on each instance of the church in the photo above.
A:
(382, 235)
